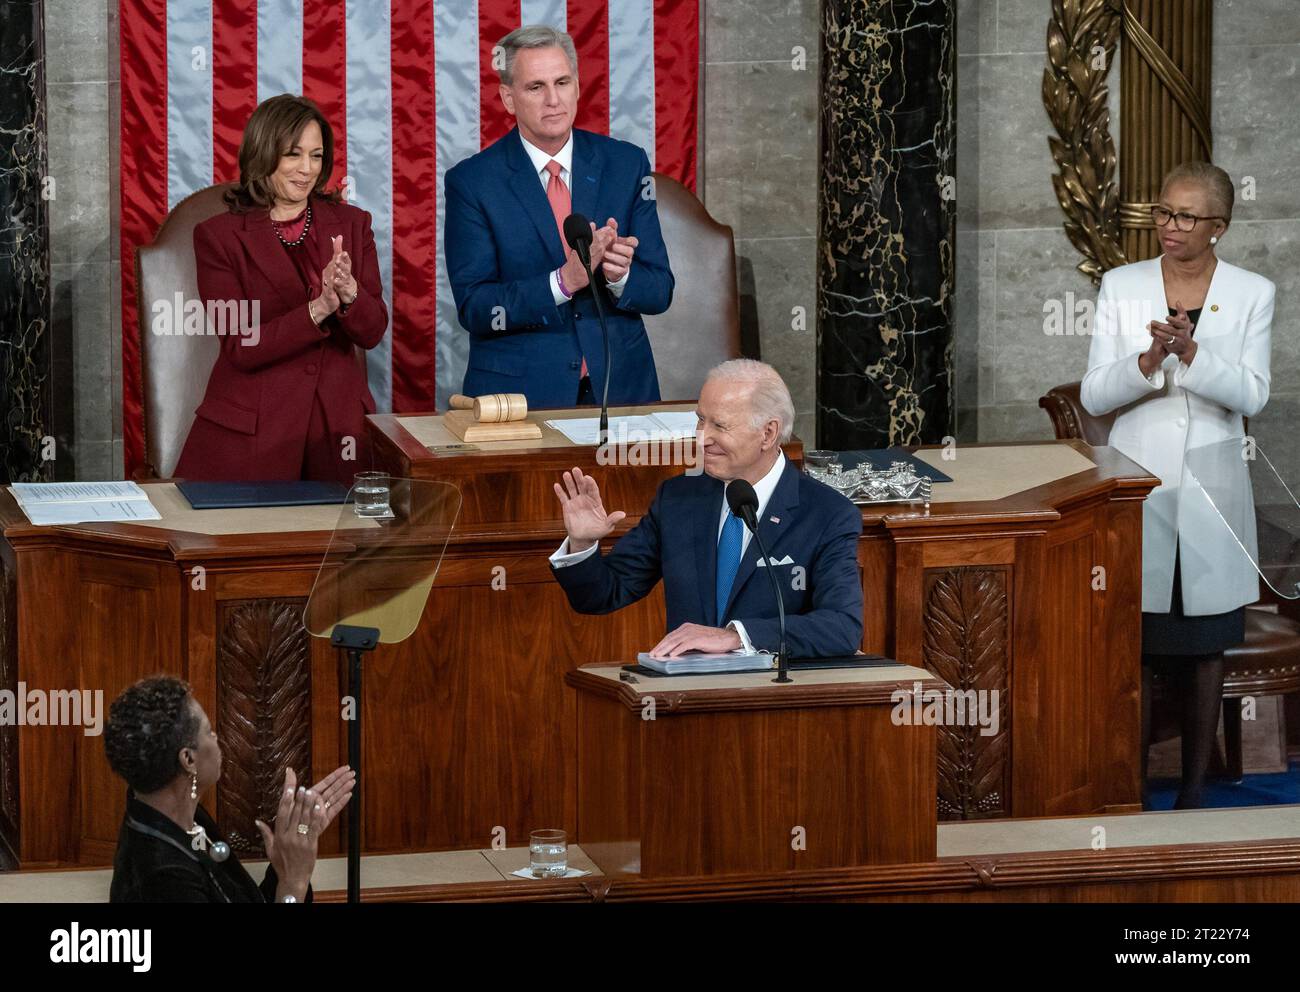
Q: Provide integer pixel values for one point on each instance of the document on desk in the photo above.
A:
(663, 426)
(700, 664)
(51, 503)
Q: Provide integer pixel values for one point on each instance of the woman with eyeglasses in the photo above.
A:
(1180, 354)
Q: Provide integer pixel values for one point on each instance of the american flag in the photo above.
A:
(409, 88)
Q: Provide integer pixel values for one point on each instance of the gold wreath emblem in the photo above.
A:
(1081, 41)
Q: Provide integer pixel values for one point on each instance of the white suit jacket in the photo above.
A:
(1180, 409)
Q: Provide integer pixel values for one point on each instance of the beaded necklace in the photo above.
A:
(275, 225)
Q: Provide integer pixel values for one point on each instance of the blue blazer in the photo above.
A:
(501, 245)
(677, 540)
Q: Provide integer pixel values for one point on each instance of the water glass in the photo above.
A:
(370, 493)
(548, 853)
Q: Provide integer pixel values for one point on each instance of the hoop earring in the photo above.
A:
(194, 786)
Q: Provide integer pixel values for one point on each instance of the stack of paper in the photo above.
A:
(697, 664)
(662, 426)
(82, 502)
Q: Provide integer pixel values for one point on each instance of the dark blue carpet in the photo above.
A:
(1277, 789)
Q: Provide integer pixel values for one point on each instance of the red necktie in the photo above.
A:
(561, 206)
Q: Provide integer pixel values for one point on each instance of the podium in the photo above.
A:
(695, 775)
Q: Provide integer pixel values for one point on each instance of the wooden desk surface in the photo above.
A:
(1024, 483)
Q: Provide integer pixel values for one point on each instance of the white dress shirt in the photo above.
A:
(763, 489)
(564, 156)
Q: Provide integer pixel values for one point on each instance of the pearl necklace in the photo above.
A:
(275, 226)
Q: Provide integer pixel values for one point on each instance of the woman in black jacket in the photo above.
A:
(169, 849)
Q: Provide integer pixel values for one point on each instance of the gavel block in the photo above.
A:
(494, 417)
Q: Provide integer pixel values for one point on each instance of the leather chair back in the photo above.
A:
(174, 366)
(1071, 420)
(702, 327)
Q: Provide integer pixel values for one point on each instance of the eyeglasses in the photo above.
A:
(1182, 221)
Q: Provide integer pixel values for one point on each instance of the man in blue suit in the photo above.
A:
(520, 291)
(716, 598)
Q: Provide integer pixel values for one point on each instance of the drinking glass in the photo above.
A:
(548, 853)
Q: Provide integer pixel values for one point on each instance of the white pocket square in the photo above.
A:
(787, 560)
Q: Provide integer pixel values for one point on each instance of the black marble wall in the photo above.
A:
(887, 225)
(24, 244)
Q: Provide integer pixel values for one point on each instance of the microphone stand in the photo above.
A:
(782, 662)
(584, 254)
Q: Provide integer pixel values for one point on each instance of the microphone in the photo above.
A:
(577, 232)
(743, 502)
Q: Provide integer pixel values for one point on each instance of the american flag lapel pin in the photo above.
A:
(775, 520)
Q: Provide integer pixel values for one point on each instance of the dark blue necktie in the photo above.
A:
(728, 560)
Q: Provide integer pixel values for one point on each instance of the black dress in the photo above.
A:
(156, 862)
(1175, 633)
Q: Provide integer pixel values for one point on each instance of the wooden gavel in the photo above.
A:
(493, 408)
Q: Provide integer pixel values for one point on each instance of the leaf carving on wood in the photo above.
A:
(965, 622)
(264, 711)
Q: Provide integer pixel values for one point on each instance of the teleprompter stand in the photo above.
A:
(353, 641)
(372, 588)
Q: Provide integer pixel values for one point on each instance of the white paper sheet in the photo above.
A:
(628, 430)
(30, 493)
(56, 503)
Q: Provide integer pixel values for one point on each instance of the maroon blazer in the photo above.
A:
(253, 421)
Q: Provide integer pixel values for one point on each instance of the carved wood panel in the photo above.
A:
(263, 710)
(966, 644)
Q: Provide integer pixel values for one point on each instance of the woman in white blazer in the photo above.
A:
(1180, 351)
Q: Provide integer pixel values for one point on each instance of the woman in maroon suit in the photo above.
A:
(287, 398)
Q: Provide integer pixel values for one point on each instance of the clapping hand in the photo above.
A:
(335, 791)
(573, 273)
(291, 848)
(345, 286)
(618, 256)
(584, 514)
(1176, 334)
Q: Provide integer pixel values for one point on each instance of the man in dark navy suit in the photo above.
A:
(522, 294)
(716, 598)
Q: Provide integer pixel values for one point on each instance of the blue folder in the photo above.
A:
(232, 495)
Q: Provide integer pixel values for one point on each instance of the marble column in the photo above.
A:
(887, 223)
(24, 243)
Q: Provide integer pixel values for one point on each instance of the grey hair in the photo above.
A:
(769, 399)
(533, 36)
(1209, 177)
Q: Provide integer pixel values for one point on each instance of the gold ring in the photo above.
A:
(302, 828)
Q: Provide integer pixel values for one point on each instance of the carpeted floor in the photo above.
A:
(1253, 790)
